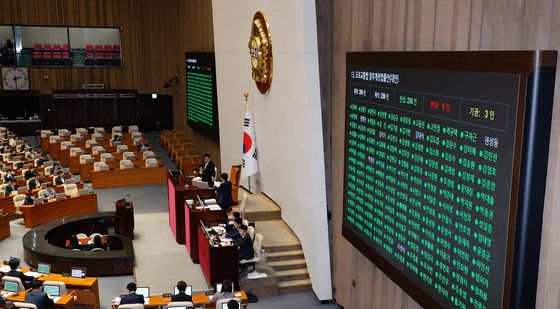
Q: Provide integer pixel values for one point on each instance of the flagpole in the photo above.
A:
(246, 95)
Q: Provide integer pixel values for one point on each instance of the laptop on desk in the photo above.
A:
(53, 291)
(145, 292)
(43, 268)
(11, 286)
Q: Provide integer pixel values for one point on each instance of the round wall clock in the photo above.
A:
(260, 50)
(15, 78)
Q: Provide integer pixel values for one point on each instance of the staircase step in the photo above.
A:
(294, 286)
(284, 255)
(288, 265)
(291, 275)
(253, 216)
(282, 248)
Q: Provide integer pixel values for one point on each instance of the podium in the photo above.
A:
(124, 218)
(218, 263)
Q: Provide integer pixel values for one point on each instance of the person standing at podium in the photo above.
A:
(208, 170)
(224, 194)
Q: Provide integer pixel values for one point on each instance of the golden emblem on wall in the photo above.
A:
(260, 50)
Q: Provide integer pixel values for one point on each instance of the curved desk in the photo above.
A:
(46, 244)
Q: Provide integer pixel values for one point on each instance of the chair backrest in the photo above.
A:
(129, 155)
(126, 164)
(99, 130)
(18, 304)
(243, 204)
(3, 187)
(71, 189)
(60, 284)
(43, 193)
(245, 222)
(122, 148)
(251, 232)
(116, 129)
(95, 149)
(85, 157)
(97, 136)
(91, 143)
(21, 288)
(74, 151)
(136, 141)
(136, 134)
(95, 234)
(221, 302)
(53, 138)
(49, 170)
(131, 306)
(148, 155)
(64, 132)
(81, 131)
(97, 166)
(76, 138)
(133, 129)
(81, 236)
(65, 145)
(151, 163)
(107, 157)
(19, 199)
(45, 133)
(175, 304)
(257, 245)
(234, 174)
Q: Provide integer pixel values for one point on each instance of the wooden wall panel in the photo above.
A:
(155, 36)
(386, 25)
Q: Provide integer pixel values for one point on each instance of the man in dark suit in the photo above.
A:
(181, 296)
(26, 280)
(132, 297)
(30, 173)
(245, 244)
(12, 187)
(33, 183)
(9, 176)
(40, 161)
(208, 170)
(224, 193)
(234, 233)
(38, 297)
(59, 179)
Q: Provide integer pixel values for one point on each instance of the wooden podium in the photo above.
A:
(124, 218)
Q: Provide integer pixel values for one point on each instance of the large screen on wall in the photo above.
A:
(445, 167)
(202, 98)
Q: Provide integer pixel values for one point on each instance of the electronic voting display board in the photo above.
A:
(445, 169)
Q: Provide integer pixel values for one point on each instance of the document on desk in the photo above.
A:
(214, 207)
(33, 274)
(55, 299)
(210, 201)
(5, 269)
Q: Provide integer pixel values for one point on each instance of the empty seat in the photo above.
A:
(122, 148)
(136, 134)
(116, 129)
(66, 145)
(148, 155)
(76, 138)
(107, 157)
(97, 136)
(96, 149)
(99, 130)
(71, 189)
(47, 47)
(85, 158)
(98, 48)
(81, 236)
(89, 59)
(64, 132)
(91, 143)
(151, 163)
(19, 200)
(76, 151)
(46, 133)
(131, 306)
(89, 47)
(128, 155)
(81, 131)
(49, 170)
(100, 166)
(38, 46)
(126, 164)
(54, 139)
(133, 129)
(18, 304)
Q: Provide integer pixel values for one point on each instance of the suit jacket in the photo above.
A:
(181, 296)
(9, 178)
(38, 298)
(224, 195)
(39, 162)
(233, 234)
(29, 174)
(34, 184)
(28, 200)
(245, 245)
(26, 280)
(9, 189)
(58, 180)
(132, 298)
(48, 194)
(209, 172)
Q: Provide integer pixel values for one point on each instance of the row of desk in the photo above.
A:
(128, 177)
(34, 215)
(7, 202)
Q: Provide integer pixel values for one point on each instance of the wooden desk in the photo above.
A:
(7, 202)
(66, 301)
(128, 177)
(198, 300)
(176, 196)
(34, 215)
(87, 288)
(193, 217)
(4, 226)
(218, 263)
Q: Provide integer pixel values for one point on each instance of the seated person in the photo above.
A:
(132, 297)
(30, 154)
(226, 292)
(181, 296)
(231, 220)
(28, 199)
(11, 187)
(49, 193)
(245, 244)
(143, 145)
(233, 304)
(30, 173)
(59, 178)
(33, 183)
(38, 297)
(9, 176)
(74, 243)
(117, 138)
(26, 280)
(97, 243)
(224, 193)
(40, 161)
(234, 232)
(19, 165)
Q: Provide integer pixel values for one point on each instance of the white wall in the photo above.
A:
(42, 35)
(287, 119)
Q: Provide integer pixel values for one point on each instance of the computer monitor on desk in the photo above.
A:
(144, 291)
(44, 268)
(51, 290)
(11, 286)
(200, 184)
(188, 290)
(77, 272)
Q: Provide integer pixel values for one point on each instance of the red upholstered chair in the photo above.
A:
(98, 48)
(65, 47)
(99, 59)
(108, 48)
(47, 58)
(47, 47)
(37, 58)
(89, 48)
(37, 47)
(57, 47)
(89, 59)
(66, 60)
